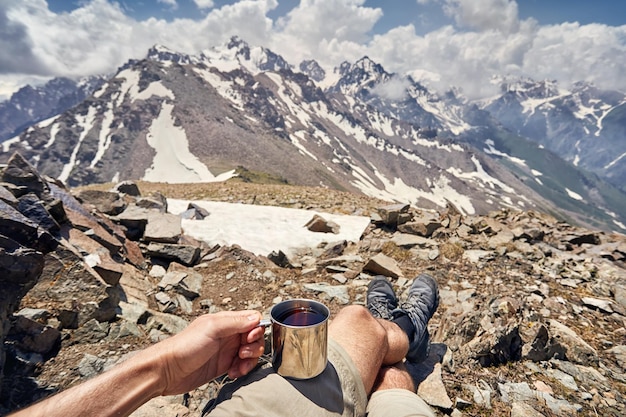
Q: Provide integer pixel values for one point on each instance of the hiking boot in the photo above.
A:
(381, 299)
(420, 305)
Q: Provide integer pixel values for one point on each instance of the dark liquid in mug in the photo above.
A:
(301, 316)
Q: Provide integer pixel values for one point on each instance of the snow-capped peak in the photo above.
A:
(162, 53)
(237, 53)
(313, 70)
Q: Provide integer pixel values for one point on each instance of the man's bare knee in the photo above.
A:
(357, 314)
(355, 318)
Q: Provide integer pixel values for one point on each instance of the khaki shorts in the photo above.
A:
(398, 402)
(337, 391)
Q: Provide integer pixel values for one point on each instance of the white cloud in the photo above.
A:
(573, 52)
(394, 89)
(98, 37)
(246, 18)
(327, 30)
(468, 58)
(171, 3)
(488, 38)
(482, 15)
(9, 84)
(204, 4)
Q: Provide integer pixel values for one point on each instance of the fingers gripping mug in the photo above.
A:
(299, 338)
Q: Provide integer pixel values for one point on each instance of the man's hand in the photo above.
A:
(212, 345)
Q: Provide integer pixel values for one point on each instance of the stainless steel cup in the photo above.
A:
(299, 338)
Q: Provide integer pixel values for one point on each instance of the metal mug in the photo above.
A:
(299, 338)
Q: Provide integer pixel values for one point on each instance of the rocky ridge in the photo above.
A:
(531, 321)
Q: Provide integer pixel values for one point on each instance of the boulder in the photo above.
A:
(66, 278)
(185, 254)
(32, 336)
(156, 202)
(381, 264)
(7, 196)
(107, 202)
(134, 219)
(194, 212)
(23, 230)
(32, 207)
(394, 215)
(163, 228)
(423, 226)
(496, 346)
(127, 187)
(320, 225)
(572, 346)
(18, 264)
(22, 174)
(96, 256)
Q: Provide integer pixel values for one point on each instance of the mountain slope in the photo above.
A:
(183, 118)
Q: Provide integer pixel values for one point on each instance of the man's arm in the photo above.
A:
(117, 392)
(227, 342)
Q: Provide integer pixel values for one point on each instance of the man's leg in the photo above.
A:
(370, 342)
(397, 330)
(393, 377)
(394, 395)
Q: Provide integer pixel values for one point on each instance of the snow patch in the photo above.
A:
(573, 195)
(264, 229)
(101, 90)
(295, 139)
(85, 123)
(491, 150)
(223, 87)
(530, 105)
(53, 134)
(7, 143)
(286, 92)
(615, 161)
(417, 140)
(47, 122)
(104, 139)
(155, 88)
(440, 191)
(480, 175)
(619, 224)
(130, 86)
(381, 123)
(173, 162)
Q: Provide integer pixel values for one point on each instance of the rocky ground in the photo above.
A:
(531, 321)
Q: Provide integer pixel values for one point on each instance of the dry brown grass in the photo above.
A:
(282, 195)
(451, 251)
(396, 252)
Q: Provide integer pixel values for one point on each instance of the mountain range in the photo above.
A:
(30, 104)
(241, 110)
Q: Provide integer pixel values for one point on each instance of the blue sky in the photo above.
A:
(444, 43)
(424, 16)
